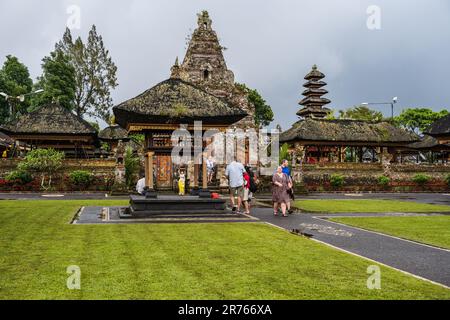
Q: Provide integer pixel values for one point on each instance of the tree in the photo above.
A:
(46, 162)
(57, 81)
(14, 81)
(361, 113)
(263, 112)
(131, 163)
(95, 74)
(418, 119)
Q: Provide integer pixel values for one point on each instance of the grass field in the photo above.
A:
(360, 205)
(434, 230)
(178, 261)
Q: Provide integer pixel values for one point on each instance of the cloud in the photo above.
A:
(271, 45)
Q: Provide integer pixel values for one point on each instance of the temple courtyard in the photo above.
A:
(315, 253)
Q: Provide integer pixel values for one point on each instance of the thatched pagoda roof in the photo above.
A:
(440, 127)
(428, 143)
(176, 101)
(50, 119)
(314, 74)
(5, 140)
(113, 133)
(347, 131)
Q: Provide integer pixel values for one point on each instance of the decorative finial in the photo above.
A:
(175, 70)
(314, 67)
(203, 21)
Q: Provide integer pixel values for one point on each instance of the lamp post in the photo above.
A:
(20, 98)
(394, 101)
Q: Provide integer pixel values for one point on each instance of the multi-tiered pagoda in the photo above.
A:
(315, 138)
(313, 103)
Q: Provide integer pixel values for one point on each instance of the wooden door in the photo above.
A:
(163, 171)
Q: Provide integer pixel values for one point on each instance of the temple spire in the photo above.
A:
(313, 102)
(203, 21)
(175, 70)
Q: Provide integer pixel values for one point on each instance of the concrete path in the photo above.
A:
(425, 261)
(432, 198)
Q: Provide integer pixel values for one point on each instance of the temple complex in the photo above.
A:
(316, 139)
(201, 88)
(53, 126)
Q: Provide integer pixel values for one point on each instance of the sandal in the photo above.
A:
(275, 213)
(284, 215)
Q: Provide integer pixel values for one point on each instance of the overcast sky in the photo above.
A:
(271, 45)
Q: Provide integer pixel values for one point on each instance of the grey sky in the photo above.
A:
(271, 45)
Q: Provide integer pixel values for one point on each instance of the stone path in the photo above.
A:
(425, 261)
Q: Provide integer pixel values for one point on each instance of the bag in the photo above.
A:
(252, 187)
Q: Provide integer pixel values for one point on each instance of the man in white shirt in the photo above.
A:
(235, 173)
(140, 185)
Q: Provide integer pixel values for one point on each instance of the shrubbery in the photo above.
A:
(337, 180)
(81, 178)
(421, 179)
(19, 176)
(447, 179)
(384, 181)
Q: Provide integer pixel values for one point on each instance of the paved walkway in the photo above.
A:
(433, 198)
(421, 260)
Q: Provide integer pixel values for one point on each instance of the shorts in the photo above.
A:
(237, 191)
(247, 195)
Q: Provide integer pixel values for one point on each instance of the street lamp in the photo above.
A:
(394, 101)
(20, 98)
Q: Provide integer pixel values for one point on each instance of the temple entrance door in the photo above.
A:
(163, 171)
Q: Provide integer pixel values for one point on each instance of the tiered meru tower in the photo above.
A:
(313, 102)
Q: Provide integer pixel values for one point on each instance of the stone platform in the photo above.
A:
(141, 206)
(119, 215)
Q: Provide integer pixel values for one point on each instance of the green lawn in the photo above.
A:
(434, 230)
(178, 261)
(379, 206)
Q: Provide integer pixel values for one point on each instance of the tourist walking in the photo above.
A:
(235, 174)
(287, 172)
(246, 197)
(280, 187)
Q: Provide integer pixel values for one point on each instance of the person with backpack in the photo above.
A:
(250, 187)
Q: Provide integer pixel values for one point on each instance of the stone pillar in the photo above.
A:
(204, 192)
(195, 189)
(149, 183)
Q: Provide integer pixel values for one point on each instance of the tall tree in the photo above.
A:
(14, 81)
(263, 112)
(57, 81)
(95, 74)
(418, 119)
(361, 113)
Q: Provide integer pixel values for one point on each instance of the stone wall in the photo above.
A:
(364, 177)
(103, 171)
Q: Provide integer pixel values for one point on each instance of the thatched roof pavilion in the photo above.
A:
(345, 132)
(53, 126)
(175, 101)
(314, 138)
(440, 129)
(113, 133)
